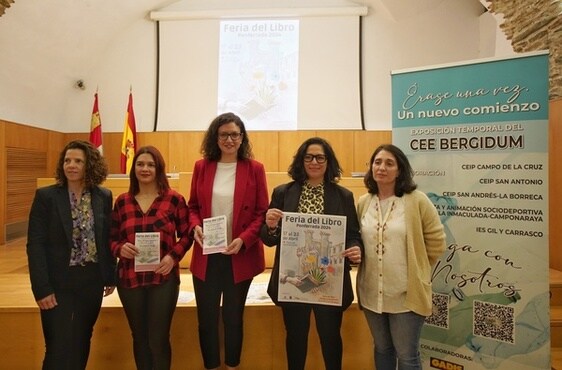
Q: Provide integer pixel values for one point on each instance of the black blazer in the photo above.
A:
(49, 237)
(337, 201)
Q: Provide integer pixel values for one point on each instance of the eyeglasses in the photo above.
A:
(235, 136)
(320, 158)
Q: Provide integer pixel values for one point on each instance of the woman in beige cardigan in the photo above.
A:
(403, 238)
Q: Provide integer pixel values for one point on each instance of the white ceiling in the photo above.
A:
(47, 45)
(41, 28)
(34, 32)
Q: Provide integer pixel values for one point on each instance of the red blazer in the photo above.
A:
(250, 204)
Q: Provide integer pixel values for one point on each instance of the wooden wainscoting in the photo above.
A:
(22, 346)
(23, 166)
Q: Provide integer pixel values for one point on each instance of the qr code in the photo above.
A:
(440, 311)
(494, 321)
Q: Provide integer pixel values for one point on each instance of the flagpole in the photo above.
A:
(129, 142)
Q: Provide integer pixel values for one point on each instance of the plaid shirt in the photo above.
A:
(167, 214)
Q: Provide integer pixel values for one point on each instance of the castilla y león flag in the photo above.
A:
(129, 143)
(95, 126)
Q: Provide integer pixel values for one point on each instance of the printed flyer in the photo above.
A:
(311, 262)
(214, 229)
(149, 251)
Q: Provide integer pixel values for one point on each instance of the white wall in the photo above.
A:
(129, 61)
(449, 32)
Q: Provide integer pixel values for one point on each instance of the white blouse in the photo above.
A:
(223, 194)
(383, 283)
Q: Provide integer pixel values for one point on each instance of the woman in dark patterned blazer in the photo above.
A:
(315, 171)
(70, 263)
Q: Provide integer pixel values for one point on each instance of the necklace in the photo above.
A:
(381, 223)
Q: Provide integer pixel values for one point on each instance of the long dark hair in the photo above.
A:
(96, 168)
(405, 180)
(333, 170)
(161, 178)
(210, 147)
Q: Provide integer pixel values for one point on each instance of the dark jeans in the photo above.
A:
(328, 324)
(68, 327)
(220, 282)
(149, 311)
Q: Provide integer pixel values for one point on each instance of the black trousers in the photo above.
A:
(297, 324)
(149, 311)
(220, 282)
(68, 327)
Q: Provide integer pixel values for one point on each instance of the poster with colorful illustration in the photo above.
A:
(259, 72)
(311, 262)
(476, 134)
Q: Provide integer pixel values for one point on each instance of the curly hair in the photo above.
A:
(404, 182)
(96, 168)
(210, 148)
(333, 170)
(161, 178)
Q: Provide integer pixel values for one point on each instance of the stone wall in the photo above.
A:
(533, 25)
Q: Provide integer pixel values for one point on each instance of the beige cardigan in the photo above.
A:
(425, 238)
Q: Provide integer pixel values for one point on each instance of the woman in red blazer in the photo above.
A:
(226, 182)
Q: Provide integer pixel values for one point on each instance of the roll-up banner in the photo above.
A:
(476, 134)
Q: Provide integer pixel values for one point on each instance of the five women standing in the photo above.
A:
(398, 226)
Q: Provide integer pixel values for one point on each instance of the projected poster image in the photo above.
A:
(258, 72)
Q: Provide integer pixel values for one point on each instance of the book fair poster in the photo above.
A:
(476, 135)
(214, 229)
(148, 244)
(311, 264)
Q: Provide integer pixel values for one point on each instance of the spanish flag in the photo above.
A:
(95, 126)
(129, 143)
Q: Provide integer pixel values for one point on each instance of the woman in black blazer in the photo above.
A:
(315, 171)
(70, 264)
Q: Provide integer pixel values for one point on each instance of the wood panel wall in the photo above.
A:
(23, 167)
(274, 149)
(20, 143)
(180, 150)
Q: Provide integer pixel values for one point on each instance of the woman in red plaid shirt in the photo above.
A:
(149, 284)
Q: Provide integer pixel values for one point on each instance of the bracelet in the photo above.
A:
(272, 231)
